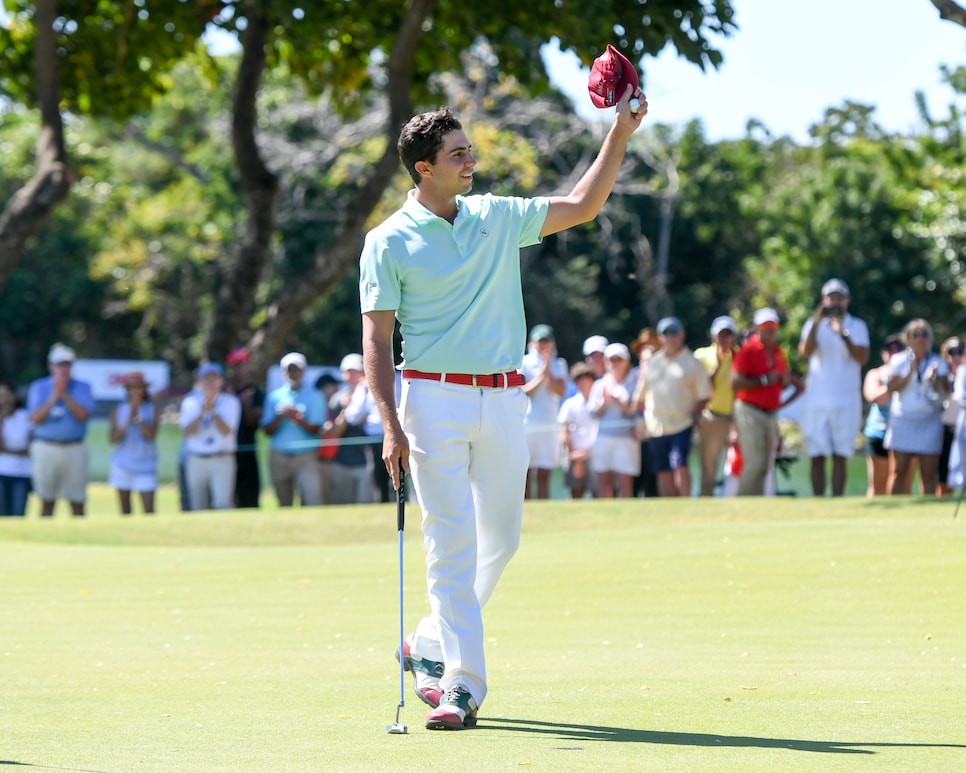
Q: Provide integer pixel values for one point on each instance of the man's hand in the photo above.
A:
(395, 454)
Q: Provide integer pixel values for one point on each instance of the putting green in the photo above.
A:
(711, 635)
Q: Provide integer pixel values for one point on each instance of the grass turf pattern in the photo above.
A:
(705, 635)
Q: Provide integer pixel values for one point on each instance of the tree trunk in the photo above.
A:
(259, 189)
(951, 11)
(31, 206)
(336, 257)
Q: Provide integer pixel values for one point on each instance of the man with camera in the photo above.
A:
(836, 345)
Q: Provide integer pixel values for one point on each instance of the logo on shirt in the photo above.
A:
(484, 232)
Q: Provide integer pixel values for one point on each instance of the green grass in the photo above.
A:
(724, 635)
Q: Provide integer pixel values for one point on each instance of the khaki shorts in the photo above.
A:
(59, 470)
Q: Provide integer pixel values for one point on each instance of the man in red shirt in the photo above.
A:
(759, 374)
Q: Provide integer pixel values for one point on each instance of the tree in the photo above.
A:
(30, 207)
(395, 53)
(951, 11)
(108, 59)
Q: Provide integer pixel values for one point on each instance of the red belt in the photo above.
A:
(493, 380)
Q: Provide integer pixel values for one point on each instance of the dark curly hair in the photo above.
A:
(422, 137)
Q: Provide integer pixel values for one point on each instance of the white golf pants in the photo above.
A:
(469, 459)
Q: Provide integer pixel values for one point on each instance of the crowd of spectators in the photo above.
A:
(619, 423)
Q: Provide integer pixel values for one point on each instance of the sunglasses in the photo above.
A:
(919, 334)
(955, 352)
(671, 331)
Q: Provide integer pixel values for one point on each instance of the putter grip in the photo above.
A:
(401, 502)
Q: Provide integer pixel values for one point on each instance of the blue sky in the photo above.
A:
(789, 61)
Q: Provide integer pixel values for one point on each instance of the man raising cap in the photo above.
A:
(447, 266)
(59, 407)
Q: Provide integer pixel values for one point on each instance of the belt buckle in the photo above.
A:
(474, 380)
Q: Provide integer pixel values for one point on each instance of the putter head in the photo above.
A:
(397, 729)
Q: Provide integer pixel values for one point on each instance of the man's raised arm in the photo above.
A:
(591, 191)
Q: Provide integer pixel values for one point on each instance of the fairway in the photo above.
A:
(658, 635)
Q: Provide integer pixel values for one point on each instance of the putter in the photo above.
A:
(396, 728)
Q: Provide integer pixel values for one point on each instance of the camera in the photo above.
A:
(831, 311)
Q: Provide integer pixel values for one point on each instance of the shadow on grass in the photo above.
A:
(12, 763)
(569, 732)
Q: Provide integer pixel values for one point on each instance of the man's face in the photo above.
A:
(767, 332)
(544, 346)
(672, 339)
(352, 377)
(212, 383)
(836, 301)
(452, 171)
(294, 374)
(60, 370)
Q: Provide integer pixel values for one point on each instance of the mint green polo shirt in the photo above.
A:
(455, 288)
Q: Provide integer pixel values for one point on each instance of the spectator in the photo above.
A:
(952, 351)
(133, 429)
(293, 417)
(351, 473)
(248, 484)
(616, 458)
(673, 390)
(328, 385)
(957, 456)
(593, 349)
(372, 427)
(545, 380)
(716, 422)
(578, 431)
(14, 451)
(642, 348)
(59, 407)
(876, 392)
(918, 381)
(836, 344)
(759, 376)
(209, 421)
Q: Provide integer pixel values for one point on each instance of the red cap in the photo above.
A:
(237, 356)
(609, 77)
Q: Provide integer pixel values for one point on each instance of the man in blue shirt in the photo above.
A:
(447, 266)
(293, 417)
(59, 408)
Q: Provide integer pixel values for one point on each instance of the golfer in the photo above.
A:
(447, 266)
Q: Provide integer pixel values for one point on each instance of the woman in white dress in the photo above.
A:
(918, 383)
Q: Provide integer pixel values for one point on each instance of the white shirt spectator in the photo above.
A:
(208, 440)
(834, 375)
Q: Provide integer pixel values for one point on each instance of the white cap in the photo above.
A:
(766, 315)
(352, 362)
(617, 350)
(60, 353)
(293, 358)
(595, 344)
(836, 286)
(723, 322)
